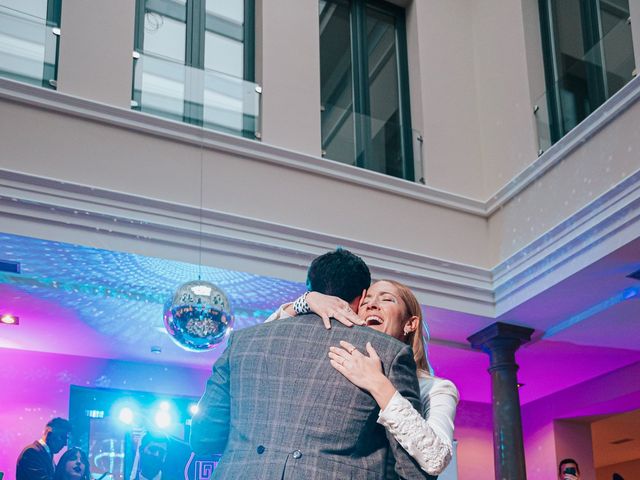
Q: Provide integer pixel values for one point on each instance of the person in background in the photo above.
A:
(36, 460)
(151, 457)
(568, 470)
(73, 465)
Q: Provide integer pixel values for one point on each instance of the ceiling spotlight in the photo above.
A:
(9, 319)
(162, 418)
(126, 415)
(193, 408)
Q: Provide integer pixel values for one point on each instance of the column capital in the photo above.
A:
(500, 334)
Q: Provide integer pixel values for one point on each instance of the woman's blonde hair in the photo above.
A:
(416, 339)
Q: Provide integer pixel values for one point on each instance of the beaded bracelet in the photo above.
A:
(300, 306)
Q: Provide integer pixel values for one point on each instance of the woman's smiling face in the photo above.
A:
(383, 309)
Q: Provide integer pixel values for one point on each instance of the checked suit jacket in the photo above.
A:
(276, 409)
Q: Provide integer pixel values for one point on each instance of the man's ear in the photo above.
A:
(355, 303)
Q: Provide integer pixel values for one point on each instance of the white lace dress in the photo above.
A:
(428, 435)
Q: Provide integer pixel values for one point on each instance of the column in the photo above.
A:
(500, 341)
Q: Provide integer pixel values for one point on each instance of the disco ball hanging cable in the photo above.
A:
(198, 315)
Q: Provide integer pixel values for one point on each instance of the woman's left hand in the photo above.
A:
(359, 369)
(364, 372)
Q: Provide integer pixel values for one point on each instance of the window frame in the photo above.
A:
(361, 107)
(195, 26)
(592, 34)
(54, 14)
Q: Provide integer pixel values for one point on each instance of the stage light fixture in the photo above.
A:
(193, 408)
(164, 406)
(9, 266)
(8, 319)
(126, 415)
(162, 418)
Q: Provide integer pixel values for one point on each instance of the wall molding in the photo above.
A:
(603, 116)
(597, 229)
(221, 142)
(122, 221)
(604, 225)
(217, 141)
(131, 223)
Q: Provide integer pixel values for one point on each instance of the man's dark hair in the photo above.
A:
(339, 273)
(564, 461)
(60, 424)
(155, 437)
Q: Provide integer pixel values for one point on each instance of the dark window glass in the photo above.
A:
(364, 92)
(336, 81)
(588, 56)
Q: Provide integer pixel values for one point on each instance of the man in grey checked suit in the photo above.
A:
(276, 409)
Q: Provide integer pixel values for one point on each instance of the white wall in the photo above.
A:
(96, 45)
(573, 440)
(589, 171)
(65, 147)
(443, 96)
(288, 68)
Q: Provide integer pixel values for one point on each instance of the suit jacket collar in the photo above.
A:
(44, 446)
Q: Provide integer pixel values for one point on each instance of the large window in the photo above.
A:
(194, 62)
(364, 86)
(29, 37)
(588, 55)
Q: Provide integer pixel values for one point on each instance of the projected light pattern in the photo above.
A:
(129, 276)
(111, 291)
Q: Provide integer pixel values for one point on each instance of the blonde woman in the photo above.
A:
(391, 308)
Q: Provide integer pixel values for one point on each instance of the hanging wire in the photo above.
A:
(201, 202)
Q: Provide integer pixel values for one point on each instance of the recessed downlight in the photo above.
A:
(9, 319)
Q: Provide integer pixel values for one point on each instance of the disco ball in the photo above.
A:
(198, 316)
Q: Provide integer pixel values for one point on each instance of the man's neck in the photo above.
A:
(157, 476)
(44, 445)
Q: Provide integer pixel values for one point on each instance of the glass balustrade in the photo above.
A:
(211, 99)
(28, 47)
(586, 84)
(373, 143)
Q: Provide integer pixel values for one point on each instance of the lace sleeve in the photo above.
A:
(428, 441)
(279, 313)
